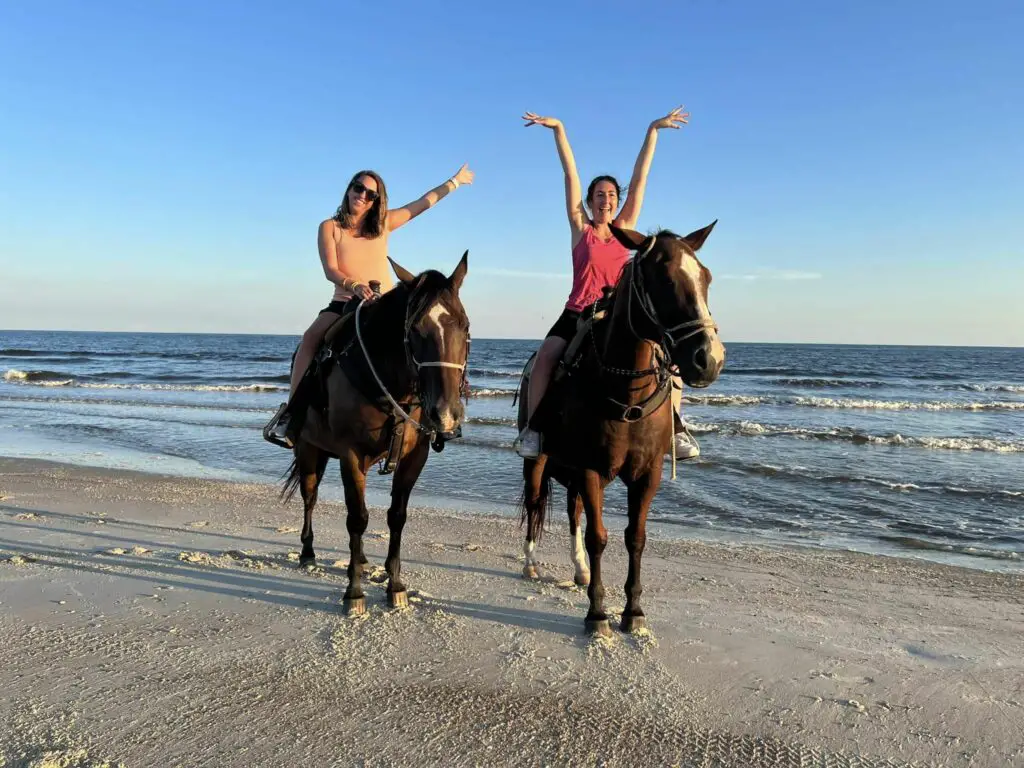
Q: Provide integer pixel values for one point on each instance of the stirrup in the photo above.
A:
(269, 431)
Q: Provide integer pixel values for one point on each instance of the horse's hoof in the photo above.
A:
(582, 579)
(599, 627)
(633, 623)
(529, 572)
(398, 599)
(355, 606)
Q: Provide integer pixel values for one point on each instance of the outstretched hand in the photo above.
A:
(674, 119)
(464, 175)
(532, 118)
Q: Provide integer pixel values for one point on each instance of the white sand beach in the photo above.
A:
(157, 621)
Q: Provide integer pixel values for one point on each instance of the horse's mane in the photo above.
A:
(629, 261)
(391, 310)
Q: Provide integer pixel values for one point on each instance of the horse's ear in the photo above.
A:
(460, 272)
(403, 274)
(629, 238)
(696, 238)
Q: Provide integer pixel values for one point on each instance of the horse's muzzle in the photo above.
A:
(699, 366)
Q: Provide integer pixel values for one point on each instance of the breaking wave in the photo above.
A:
(857, 437)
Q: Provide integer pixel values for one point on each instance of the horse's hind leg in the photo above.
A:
(408, 472)
(354, 479)
(535, 499)
(577, 553)
(311, 462)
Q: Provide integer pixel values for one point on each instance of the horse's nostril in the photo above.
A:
(700, 359)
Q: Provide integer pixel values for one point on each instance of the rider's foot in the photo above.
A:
(527, 445)
(276, 430)
(686, 446)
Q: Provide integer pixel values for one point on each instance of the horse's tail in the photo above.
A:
(535, 522)
(291, 483)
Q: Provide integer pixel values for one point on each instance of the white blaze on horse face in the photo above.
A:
(692, 272)
(447, 417)
(694, 275)
(436, 313)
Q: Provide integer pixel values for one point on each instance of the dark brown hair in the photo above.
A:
(376, 218)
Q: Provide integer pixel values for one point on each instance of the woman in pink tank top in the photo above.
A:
(597, 257)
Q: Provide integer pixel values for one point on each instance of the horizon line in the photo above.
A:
(515, 338)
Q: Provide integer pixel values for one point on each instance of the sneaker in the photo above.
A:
(527, 445)
(686, 446)
(276, 430)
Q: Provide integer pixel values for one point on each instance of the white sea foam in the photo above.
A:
(906, 405)
(43, 379)
(845, 434)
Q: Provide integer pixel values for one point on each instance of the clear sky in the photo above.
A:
(164, 165)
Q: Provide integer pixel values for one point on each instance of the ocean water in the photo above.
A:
(916, 451)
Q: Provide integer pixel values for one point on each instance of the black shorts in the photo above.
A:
(341, 307)
(565, 326)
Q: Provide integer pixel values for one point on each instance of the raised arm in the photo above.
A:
(327, 245)
(573, 194)
(630, 212)
(399, 216)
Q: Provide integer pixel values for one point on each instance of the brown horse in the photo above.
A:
(608, 413)
(390, 384)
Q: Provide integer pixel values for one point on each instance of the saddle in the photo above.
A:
(591, 315)
(569, 366)
(338, 347)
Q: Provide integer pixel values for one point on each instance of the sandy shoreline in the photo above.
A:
(163, 621)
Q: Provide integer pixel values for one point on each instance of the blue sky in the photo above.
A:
(164, 165)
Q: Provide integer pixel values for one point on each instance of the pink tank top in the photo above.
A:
(595, 264)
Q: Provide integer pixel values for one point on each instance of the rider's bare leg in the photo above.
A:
(527, 444)
(307, 347)
(548, 355)
(276, 430)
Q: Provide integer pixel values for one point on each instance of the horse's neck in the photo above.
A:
(383, 329)
(620, 347)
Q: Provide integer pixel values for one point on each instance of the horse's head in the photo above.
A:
(669, 293)
(437, 340)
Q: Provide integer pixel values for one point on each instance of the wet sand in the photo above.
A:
(160, 621)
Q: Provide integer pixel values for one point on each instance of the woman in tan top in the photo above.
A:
(353, 248)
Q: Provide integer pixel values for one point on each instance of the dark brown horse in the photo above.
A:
(608, 413)
(401, 358)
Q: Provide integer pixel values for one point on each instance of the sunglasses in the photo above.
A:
(360, 189)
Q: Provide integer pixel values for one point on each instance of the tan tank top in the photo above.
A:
(361, 260)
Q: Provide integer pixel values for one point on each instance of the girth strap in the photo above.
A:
(630, 413)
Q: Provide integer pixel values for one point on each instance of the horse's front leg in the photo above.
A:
(596, 539)
(354, 479)
(577, 553)
(406, 474)
(640, 494)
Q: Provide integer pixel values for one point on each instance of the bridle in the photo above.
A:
(410, 320)
(637, 289)
(663, 347)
